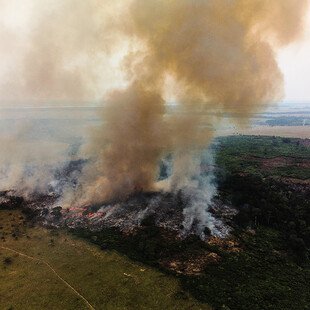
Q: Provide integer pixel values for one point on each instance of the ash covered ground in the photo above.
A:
(194, 209)
(164, 210)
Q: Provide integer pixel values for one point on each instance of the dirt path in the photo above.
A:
(54, 271)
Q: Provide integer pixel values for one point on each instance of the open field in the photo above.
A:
(106, 279)
(280, 131)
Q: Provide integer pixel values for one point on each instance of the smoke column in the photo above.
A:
(220, 55)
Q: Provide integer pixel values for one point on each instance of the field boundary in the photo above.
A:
(54, 271)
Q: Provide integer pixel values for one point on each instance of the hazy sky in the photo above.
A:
(15, 16)
(295, 64)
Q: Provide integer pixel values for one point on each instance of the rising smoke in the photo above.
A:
(221, 55)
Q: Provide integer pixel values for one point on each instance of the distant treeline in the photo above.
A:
(288, 121)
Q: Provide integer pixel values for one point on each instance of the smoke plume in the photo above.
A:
(219, 55)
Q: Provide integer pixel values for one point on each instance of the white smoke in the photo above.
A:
(199, 194)
(192, 179)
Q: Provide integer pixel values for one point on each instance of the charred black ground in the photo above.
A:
(263, 196)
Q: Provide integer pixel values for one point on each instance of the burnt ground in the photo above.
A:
(144, 221)
(262, 264)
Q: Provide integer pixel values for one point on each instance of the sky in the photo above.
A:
(15, 18)
(294, 62)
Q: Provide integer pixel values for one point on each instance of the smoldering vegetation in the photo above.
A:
(262, 264)
(208, 55)
(45, 188)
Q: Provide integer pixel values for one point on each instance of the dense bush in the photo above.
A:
(265, 201)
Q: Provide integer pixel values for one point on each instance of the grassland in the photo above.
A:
(107, 279)
(260, 275)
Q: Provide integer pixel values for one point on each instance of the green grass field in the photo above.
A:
(106, 279)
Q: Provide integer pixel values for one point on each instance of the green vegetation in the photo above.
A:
(265, 156)
(106, 279)
(262, 146)
(260, 277)
(288, 121)
(265, 202)
(259, 193)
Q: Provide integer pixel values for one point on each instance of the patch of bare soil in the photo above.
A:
(305, 142)
(227, 245)
(295, 181)
(192, 266)
(195, 264)
(281, 161)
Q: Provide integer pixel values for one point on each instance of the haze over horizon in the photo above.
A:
(18, 20)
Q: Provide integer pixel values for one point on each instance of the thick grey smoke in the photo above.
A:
(222, 56)
(219, 54)
(200, 193)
